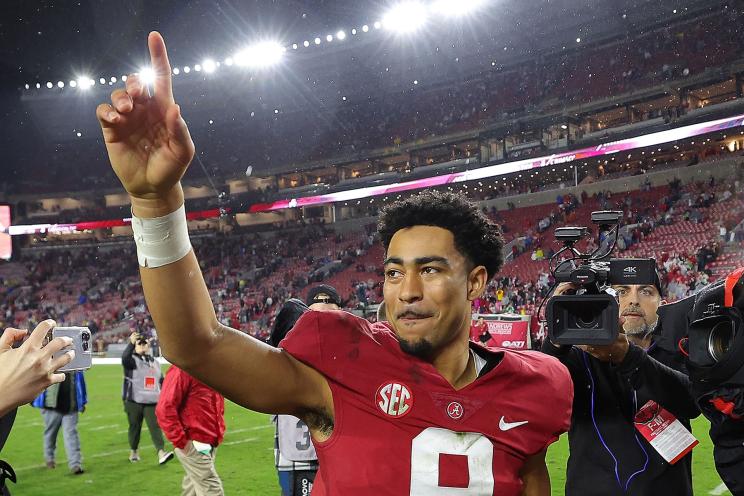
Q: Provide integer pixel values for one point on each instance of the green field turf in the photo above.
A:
(245, 460)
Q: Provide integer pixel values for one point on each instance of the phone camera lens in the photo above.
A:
(85, 346)
(86, 336)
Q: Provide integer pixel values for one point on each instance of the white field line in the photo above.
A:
(116, 452)
(96, 455)
(249, 440)
(256, 428)
(82, 417)
(100, 427)
(721, 489)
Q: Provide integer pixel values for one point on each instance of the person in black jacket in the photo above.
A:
(142, 382)
(608, 456)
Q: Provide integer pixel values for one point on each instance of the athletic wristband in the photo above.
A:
(161, 240)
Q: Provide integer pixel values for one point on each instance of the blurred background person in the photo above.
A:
(192, 416)
(60, 404)
(141, 391)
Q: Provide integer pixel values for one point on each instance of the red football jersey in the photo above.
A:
(400, 428)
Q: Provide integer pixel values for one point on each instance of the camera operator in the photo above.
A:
(612, 382)
(715, 350)
(140, 392)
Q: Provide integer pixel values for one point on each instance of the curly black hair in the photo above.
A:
(477, 237)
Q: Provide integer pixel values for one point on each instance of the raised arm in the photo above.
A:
(150, 148)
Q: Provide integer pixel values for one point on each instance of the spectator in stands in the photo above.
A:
(141, 391)
(192, 416)
(60, 404)
(608, 456)
(481, 330)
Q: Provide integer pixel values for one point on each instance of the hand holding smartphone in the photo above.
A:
(31, 362)
(81, 344)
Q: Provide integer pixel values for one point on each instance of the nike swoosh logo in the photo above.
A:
(505, 426)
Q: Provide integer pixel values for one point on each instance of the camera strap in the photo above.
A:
(623, 487)
(731, 280)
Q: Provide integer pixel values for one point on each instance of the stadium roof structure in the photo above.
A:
(53, 43)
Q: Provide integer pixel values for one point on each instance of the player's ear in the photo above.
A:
(477, 280)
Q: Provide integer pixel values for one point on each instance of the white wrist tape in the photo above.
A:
(162, 240)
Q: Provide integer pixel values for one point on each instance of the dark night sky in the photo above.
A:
(48, 39)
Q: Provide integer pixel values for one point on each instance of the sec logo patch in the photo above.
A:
(394, 399)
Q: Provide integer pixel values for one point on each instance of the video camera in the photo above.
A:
(708, 328)
(590, 315)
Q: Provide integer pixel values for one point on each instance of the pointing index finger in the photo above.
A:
(161, 67)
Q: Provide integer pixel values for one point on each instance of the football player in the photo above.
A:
(407, 406)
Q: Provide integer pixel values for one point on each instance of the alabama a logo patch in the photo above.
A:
(455, 410)
(394, 399)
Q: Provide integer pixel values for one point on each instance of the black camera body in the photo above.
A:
(716, 335)
(711, 324)
(590, 315)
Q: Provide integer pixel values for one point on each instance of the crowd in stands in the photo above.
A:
(251, 274)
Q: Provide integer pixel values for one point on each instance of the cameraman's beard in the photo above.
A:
(641, 331)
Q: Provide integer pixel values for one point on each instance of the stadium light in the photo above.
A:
(306, 43)
(38, 86)
(84, 82)
(456, 8)
(329, 38)
(147, 75)
(176, 71)
(263, 54)
(73, 84)
(209, 66)
(27, 86)
(187, 69)
(365, 28)
(317, 41)
(405, 17)
(60, 84)
(341, 35)
(197, 68)
(102, 80)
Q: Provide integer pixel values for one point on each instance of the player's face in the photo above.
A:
(428, 289)
(638, 304)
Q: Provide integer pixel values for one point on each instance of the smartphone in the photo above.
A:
(82, 344)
